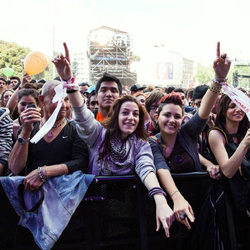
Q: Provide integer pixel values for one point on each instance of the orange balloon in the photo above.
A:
(35, 62)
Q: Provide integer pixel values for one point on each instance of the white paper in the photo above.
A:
(238, 97)
(59, 97)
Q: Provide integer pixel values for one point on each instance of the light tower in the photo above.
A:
(109, 51)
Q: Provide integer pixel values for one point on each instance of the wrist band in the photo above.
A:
(156, 190)
(70, 85)
(176, 191)
(220, 81)
(41, 174)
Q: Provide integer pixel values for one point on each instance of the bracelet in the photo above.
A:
(46, 174)
(220, 81)
(176, 191)
(156, 190)
(41, 174)
(214, 89)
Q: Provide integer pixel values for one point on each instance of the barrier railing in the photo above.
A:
(115, 213)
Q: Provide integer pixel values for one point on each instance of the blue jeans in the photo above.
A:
(62, 196)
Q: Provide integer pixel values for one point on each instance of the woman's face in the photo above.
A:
(170, 118)
(128, 119)
(6, 97)
(141, 99)
(234, 113)
(24, 101)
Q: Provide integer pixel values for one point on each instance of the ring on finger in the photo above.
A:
(182, 216)
(30, 117)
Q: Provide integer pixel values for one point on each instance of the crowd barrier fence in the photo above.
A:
(116, 213)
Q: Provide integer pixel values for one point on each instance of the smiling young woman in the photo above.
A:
(118, 145)
(175, 147)
(229, 141)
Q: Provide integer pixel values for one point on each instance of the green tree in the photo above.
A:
(242, 70)
(11, 55)
(135, 58)
(204, 74)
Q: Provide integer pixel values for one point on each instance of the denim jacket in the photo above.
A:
(62, 195)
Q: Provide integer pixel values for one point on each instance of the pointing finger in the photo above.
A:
(66, 51)
(218, 50)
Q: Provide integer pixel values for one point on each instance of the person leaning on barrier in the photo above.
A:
(119, 146)
(229, 141)
(59, 152)
(175, 147)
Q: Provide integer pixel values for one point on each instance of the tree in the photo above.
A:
(204, 74)
(11, 55)
(135, 58)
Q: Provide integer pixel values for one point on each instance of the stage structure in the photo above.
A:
(109, 50)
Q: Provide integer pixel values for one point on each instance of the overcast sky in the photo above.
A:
(189, 27)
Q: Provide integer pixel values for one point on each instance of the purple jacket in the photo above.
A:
(139, 158)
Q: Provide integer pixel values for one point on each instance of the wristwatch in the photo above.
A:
(21, 140)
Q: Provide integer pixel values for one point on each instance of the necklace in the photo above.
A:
(50, 134)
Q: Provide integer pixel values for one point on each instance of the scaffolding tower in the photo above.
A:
(109, 50)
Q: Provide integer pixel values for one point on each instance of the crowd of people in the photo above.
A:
(109, 129)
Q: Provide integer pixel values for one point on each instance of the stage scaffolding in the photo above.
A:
(109, 50)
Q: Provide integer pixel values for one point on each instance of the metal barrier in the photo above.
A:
(115, 213)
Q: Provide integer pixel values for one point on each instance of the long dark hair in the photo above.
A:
(220, 120)
(112, 125)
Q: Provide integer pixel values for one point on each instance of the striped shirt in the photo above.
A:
(6, 130)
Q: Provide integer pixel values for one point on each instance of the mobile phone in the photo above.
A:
(31, 106)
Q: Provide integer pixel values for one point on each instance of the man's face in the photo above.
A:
(84, 88)
(93, 104)
(2, 85)
(49, 106)
(107, 94)
(13, 83)
(197, 103)
(182, 97)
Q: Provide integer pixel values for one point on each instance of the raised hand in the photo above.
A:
(28, 117)
(26, 78)
(221, 64)
(62, 64)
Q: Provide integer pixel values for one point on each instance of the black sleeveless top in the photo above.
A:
(238, 186)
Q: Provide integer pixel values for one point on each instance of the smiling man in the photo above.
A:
(108, 89)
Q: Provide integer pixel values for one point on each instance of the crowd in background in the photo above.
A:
(109, 129)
